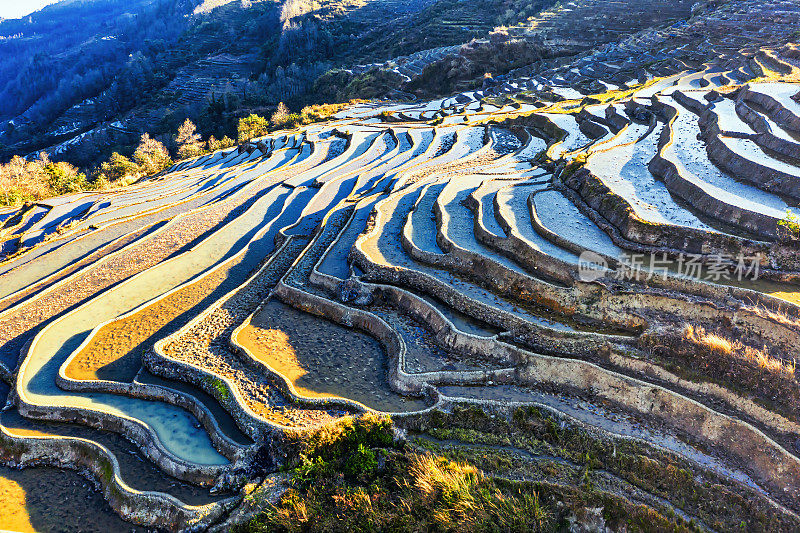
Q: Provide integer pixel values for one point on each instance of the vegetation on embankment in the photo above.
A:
(341, 85)
(24, 180)
(464, 71)
(356, 475)
(282, 118)
(719, 503)
(716, 357)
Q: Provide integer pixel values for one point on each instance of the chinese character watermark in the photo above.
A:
(714, 268)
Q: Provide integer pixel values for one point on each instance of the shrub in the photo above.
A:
(289, 121)
(225, 142)
(361, 463)
(22, 180)
(791, 222)
(280, 115)
(317, 112)
(334, 441)
(351, 477)
(283, 119)
(252, 126)
(64, 178)
(117, 168)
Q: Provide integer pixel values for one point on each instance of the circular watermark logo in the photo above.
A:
(591, 266)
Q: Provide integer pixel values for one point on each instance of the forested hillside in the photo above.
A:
(80, 79)
(75, 50)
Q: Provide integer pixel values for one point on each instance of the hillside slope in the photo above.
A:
(81, 89)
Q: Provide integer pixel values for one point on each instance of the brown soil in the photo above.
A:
(71, 269)
(205, 345)
(323, 359)
(152, 250)
(115, 352)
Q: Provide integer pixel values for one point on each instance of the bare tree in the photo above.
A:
(188, 140)
(151, 155)
(280, 114)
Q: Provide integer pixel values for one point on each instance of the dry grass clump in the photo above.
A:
(437, 479)
(458, 496)
(711, 341)
(718, 345)
(780, 318)
(697, 354)
(353, 476)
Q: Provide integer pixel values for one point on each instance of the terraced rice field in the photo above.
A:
(417, 260)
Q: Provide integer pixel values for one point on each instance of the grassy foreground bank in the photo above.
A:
(357, 475)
